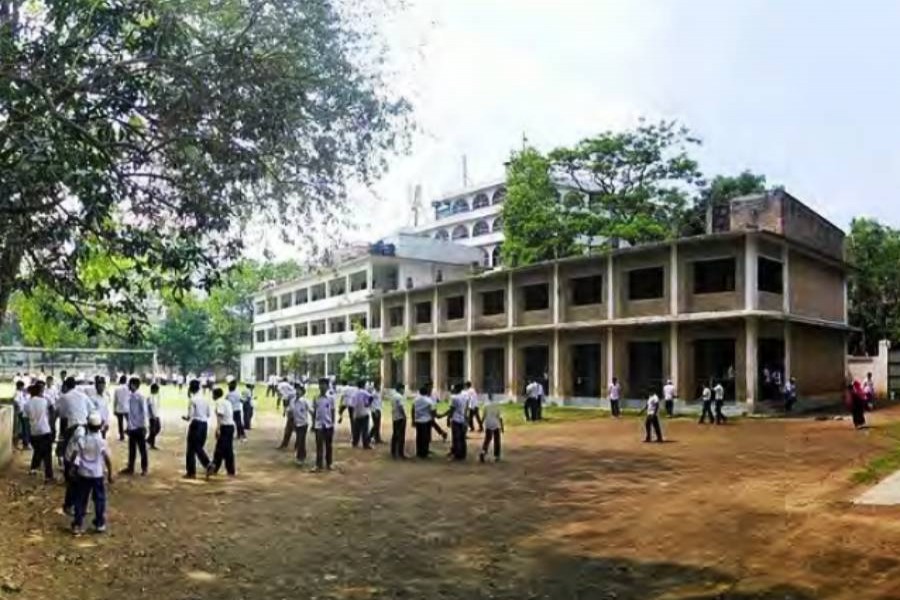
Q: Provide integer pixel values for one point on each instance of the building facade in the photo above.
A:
(763, 292)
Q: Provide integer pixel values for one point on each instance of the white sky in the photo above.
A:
(807, 93)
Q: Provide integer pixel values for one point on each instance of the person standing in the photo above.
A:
(669, 398)
(493, 427)
(90, 456)
(120, 405)
(790, 394)
(459, 403)
(858, 404)
(869, 390)
(74, 410)
(531, 391)
(155, 417)
(473, 413)
(615, 395)
(323, 423)
(706, 397)
(398, 432)
(224, 451)
(198, 422)
(361, 403)
(347, 393)
(375, 394)
(138, 423)
(37, 408)
(247, 406)
(19, 401)
(719, 395)
(301, 410)
(286, 393)
(424, 415)
(237, 409)
(99, 399)
(652, 419)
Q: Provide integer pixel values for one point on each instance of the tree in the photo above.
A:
(363, 362)
(183, 337)
(156, 129)
(719, 191)
(399, 348)
(874, 287)
(297, 363)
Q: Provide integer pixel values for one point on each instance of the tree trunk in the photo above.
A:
(10, 261)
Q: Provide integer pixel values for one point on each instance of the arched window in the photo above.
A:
(460, 232)
(485, 258)
(496, 258)
(481, 200)
(481, 228)
(499, 196)
(441, 235)
(460, 206)
(498, 224)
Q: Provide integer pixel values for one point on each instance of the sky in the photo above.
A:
(807, 93)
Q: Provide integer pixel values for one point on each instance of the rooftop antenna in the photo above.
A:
(465, 172)
(524, 141)
(417, 204)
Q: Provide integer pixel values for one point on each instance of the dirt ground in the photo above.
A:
(756, 509)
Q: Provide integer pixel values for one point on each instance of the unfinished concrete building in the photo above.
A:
(763, 291)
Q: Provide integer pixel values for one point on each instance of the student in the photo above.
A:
(531, 392)
(286, 393)
(90, 458)
(706, 396)
(120, 407)
(398, 433)
(138, 423)
(74, 408)
(271, 387)
(225, 426)
(37, 409)
(651, 422)
(361, 403)
(323, 423)
(719, 395)
(615, 395)
(433, 398)
(869, 389)
(19, 401)
(493, 427)
(424, 415)
(375, 395)
(538, 407)
(473, 413)
(459, 403)
(155, 416)
(858, 404)
(179, 380)
(669, 398)
(347, 393)
(247, 407)
(198, 419)
(790, 394)
(301, 410)
(100, 403)
(237, 409)
(51, 393)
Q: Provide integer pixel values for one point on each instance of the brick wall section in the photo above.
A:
(763, 212)
(817, 360)
(808, 228)
(817, 289)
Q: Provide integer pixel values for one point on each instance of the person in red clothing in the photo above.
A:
(858, 404)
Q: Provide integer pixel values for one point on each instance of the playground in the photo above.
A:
(579, 508)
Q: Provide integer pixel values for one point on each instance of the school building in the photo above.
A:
(763, 291)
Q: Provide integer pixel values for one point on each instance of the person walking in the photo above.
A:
(719, 398)
(225, 427)
(301, 409)
(424, 414)
(237, 409)
(651, 422)
(37, 408)
(669, 398)
(138, 423)
(197, 416)
(398, 414)
(474, 415)
(120, 405)
(858, 404)
(615, 395)
(90, 459)
(153, 408)
(247, 407)
(706, 397)
(375, 409)
(493, 428)
(323, 423)
(459, 403)
(790, 395)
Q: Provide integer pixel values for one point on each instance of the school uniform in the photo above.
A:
(19, 401)
(719, 395)
(423, 417)
(434, 424)
(347, 393)
(247, 406)
(473, 410)
(138, 424)
(88, 457)
(300, 408)
(52, 396)
(706, 396)
(458, 406)
(37, 408)
(790, 396)
(669, 399)
(361, 403)
(375, 433)
(530, 394)
(121, 398)
(155, 420)
(323, 423)
(652, 420)
(286, 393)
(198, 417)
(615, 395)
(492, 429)
(398, 433)
(224, 451)
(237, 410)
(99, 403)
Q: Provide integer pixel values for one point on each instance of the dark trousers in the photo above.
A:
(475, 417)
(354, 435)
(652, 422)
(155, 429)
(858, 409)
(239, 423)
(24, 431)
(375, 434)
(789, 402)
(720, 416)
(458, 443)
(120, 420)
(398, 439)
(70, 477)
(248, 416)
(137, 442)
(361, 432)
(196, 440)
(491, 436)
(438, 429)
(51, 416)
(423, 438)
(614, 407)
(527, 406)
(85, 488)
(670, 408)
(288, 430)
(300, 444)
(42, 453)
(707, 412)
(224, 451)
(324, 447)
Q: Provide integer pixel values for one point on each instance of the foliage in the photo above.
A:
(874, 285)
(183, 338)
(400, 346)
(157, 129)
(882, 465)
(297, 363)
(719, 191)
(363, 362)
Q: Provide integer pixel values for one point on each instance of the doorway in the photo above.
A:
(586, 370)
(645, 368)
(494, 371)
(455, 365)
(770, 362)
(537, 366)
(422, 369)
(714, 360)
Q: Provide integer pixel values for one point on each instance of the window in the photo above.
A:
(496, 257)
(376, 317)
(536, 296)
(481, 200)
(481, 228)
(492, 303)
(260, 307)
(499, 196)
(646, 284)
(442, 235)
(587, 290)
(423, 313)
(395, 316)
(286, 332)
(358, 318)
(770, 276)
(317, 292)
(271, 334)
(260, 335)
(456, 308)
(317, 328)
(713, 276)
(498, 224)
(337, 324)
(272, 304)
(485, 258)
(287, 300)
(460, 206)
(337, 287)
(301, 296)
(359, 281)
(460, 232)
(301, 329)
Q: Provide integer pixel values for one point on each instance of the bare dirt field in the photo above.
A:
(756, 509)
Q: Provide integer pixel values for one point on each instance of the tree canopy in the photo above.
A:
(874, 284)
(363, 362)
(154, 130)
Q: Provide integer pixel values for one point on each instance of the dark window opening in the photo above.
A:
(317, 328)
(494, 371)
(646, 284)
(272, 334)
(287, 300)
(536, 297)
(714, 276)
(586, 370)
(337, 325)
(455, 367)
(260, 335)
(317, 292)
(260, 308)
(395, 316)
(645, 369)
(714, 362)
(770, 276)
(423, 313)
(272, 304)
(337, 287)
(286, 333)
(301, 330)
(423, 368)
(587, 290)
(301, 296)
(359, 318)
(492, 303)
(456, 308)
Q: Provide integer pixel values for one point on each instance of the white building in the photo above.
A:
(317, 312)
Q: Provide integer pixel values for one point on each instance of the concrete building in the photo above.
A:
(764, 291)
(317, 313)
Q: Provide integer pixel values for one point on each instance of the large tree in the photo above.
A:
(874, 291)
(720, 190)
(156, 129)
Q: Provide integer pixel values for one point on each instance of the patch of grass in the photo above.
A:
(884, 464)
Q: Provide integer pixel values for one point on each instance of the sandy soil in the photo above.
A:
(756, 509)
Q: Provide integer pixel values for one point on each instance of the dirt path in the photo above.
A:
(758, 509)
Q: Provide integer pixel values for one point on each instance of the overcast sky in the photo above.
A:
(807, 93)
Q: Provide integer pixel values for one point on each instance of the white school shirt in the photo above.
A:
(138, 412)
(224, 413)
(668, 392)
(707, 394)
(89, 451)
(51, 394)
(472, 398)
(653, 405)
(198, 408)
(100, 405)
(20, 399)
(347, 393)
(421, 408)
(361, 403)
(300, 410)
(120, 398)
(75, 407)
(324, 413)
(286, 391)
(397, 409)
(720, 392)
(491, 415)
(459, 402)
(531, 390)
(615, 391)
(37, 410)
(377, 403)
(235, 399)
(153, 405)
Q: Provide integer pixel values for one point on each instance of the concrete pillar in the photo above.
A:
(470, 306)
(785, 279)
(327, 367)
(408, 380)
(384, 321)
(751, 254)
(610, 356)
(556, 294)
(556, 388)
(673, 353)
(610, 289)
(510, 301)
(674, 288)
(510, 367)
(470, 361)
(750, 357)
(435, 311)
(787, 350)
(436, 375)
(407, 314)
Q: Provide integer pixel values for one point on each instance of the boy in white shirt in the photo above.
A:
(120, 405)
(19, 401)
(224, 435)
(247, 407)
(706, 397)
(459, 404)
(398, 413)
(37, 408)
(237, 409)
(719, 395)
(138, 424)
(301, 411)
(424, 416)
(652, 420)
(155, 418)
(615, 394)
(323, 423)
(198, 424)
(669, 397)
(375, 395)
(90, 458)
(493, 427)
(473, 413)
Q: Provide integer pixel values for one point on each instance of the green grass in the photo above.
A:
(884, 464)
